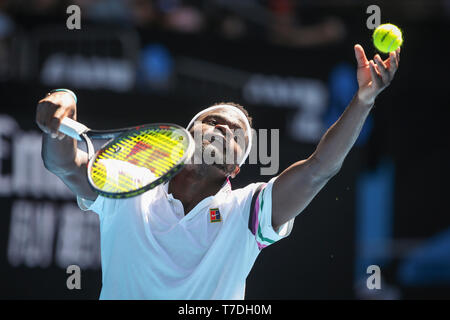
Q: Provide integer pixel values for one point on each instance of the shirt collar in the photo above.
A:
(226, 189)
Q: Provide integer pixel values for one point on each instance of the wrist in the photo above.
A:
(365, 101)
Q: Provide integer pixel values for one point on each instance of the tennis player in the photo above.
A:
(194, 237)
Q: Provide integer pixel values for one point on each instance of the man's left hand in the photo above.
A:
(374, 75)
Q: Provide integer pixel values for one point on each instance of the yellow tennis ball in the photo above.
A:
(387, 38)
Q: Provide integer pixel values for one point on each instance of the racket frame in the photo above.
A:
(80, 132)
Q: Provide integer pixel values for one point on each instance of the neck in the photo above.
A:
(195, 183)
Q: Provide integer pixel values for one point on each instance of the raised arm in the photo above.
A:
(296, 186)
(59, 152)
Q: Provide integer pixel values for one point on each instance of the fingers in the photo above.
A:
(383, 69)
(44, 111)
(55, 122)
(51, 110)
(394, 59)
(360, 56)
(49, 116)
(386, 69)
(376, 77)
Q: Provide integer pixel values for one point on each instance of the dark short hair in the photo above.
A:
(250, 119)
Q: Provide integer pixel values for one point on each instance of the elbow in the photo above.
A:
(324, 171)
(46, 161)
(328, 174)
(334, 171)
(54, 167)
(49, 165)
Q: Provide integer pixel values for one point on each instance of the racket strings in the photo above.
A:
(150, 143)
(144, 154)
(141, 156)
(150, 152)
(156, 150)
(124, 183)
(100, 179)
(142, 150)
(99, 176)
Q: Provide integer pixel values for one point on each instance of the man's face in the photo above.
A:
(223, 136)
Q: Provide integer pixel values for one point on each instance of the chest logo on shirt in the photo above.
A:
(214, 215)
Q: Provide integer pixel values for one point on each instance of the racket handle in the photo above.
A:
(72, 128)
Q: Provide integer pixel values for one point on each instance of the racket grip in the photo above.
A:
(72, 128)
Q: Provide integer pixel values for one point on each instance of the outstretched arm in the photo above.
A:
(296, 186)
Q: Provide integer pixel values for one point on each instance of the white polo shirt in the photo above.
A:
(151, 250)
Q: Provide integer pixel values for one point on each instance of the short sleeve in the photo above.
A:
(103, 207)
(260, 217)
(84, 204)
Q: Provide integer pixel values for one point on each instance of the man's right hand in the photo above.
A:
(52, 109)
(62, 158)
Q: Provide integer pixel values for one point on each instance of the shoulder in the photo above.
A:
(253, 188)
(246, 195)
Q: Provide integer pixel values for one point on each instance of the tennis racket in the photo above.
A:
(135, 159)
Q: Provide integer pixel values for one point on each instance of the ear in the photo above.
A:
(235, 172)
